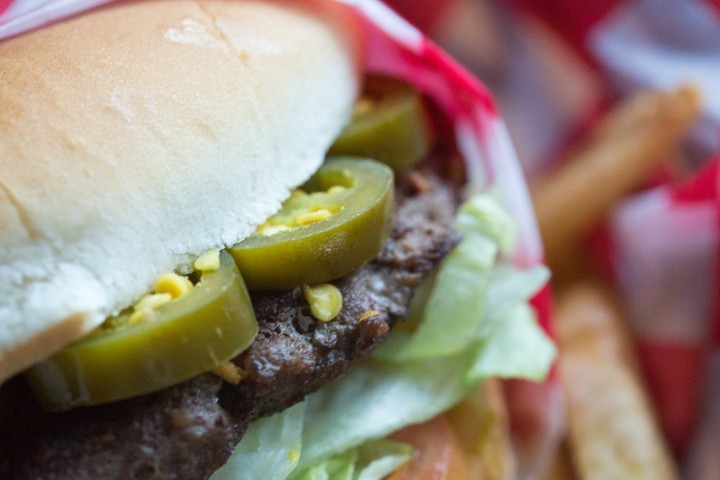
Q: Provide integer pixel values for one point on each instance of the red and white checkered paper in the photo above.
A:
(553, 65)
(396, 48)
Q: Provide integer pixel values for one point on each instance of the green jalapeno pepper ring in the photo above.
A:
(357, 229)
(208, 326)
(390, 125)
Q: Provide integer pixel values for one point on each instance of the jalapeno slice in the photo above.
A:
(390, 124)
(210, 325)
(341, 220)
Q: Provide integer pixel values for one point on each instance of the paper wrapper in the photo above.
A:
(552, 65)
(396, 48)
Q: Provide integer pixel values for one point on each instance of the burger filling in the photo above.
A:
(349, 257)
(189, 430)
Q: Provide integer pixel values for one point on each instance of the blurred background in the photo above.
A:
(614, 110)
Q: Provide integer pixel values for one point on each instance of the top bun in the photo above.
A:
(137, 136)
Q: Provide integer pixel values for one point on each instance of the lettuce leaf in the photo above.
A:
(474, 324)
(471, 292)
(516, 348)
(377, 399)
(373, 460)
(272, 441)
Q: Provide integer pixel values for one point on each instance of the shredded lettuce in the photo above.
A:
(474, 324)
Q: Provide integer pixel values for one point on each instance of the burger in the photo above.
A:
(227, 251)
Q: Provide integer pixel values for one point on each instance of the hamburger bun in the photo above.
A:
(112, 173)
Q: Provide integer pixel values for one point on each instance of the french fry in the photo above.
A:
(624, 148)
(612, 430)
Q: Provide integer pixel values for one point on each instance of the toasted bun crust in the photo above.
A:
(139, 135)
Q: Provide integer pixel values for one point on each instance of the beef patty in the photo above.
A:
(189, 430)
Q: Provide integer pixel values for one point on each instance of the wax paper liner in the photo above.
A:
(396, 48)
